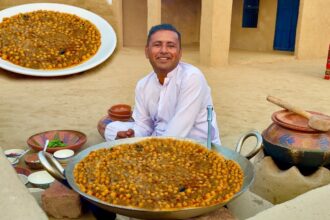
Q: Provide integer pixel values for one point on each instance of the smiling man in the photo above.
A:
(172, 100)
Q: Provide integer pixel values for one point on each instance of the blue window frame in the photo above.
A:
(250, 13)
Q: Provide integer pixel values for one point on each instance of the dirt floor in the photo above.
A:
(29, 105)
(32, 104)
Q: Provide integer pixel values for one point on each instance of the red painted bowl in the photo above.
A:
(73, 140)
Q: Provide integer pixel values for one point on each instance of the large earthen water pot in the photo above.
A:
(291, 142)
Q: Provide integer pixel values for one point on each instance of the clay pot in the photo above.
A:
(32, 160)
(291, 142)
(119, 112)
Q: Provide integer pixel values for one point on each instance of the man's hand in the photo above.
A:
(125, 134)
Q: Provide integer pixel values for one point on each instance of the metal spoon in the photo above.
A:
(46, 145)
(209, 125)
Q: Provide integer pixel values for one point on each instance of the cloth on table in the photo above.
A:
(15, 200)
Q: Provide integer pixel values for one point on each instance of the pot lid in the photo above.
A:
(293, 121)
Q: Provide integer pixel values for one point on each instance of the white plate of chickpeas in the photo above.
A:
(48, 39)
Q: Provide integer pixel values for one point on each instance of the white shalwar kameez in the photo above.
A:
(178, 108)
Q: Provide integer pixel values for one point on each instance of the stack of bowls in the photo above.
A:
(13, 154)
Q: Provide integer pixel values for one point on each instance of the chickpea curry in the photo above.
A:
(159, 174)
(47, 40)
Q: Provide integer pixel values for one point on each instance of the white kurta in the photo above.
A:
(177, 108)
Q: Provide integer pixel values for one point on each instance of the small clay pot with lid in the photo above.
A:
(291, 142)
(119, 112)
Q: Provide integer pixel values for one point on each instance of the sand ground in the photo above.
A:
(32, 104)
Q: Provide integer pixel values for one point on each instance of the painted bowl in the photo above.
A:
(72, 139)
(291, 142)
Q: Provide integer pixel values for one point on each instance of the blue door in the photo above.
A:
(286, 24)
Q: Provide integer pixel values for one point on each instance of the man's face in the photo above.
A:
(163, 51)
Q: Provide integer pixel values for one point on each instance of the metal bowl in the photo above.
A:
(55, 169)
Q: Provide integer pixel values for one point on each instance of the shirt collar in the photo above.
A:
(169, 75)
(173, 72)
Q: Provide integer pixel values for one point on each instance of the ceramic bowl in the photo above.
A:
(41, 179)
(73, 140)
(63, 156)
(32, 161)
(13, 152)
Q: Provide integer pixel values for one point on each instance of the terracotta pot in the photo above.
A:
(32, 161)
(119, 112)
(290, 142)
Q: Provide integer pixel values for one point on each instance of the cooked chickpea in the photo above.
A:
(159, 174)
(47, 39)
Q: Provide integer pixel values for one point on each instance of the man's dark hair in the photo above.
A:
(159, 27)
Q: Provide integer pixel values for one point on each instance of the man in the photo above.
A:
(172, 100)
